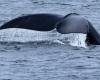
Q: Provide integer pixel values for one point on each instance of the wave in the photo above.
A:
(23, 36)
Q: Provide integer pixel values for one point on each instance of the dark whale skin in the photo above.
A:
(39, 22)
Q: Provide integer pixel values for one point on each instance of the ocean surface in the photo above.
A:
(22, 57)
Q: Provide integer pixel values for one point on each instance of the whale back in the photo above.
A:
(39, 22)
(72, 23)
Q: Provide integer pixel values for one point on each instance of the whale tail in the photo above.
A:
(48, 22)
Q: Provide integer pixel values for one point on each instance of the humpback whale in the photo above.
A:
(71, 23)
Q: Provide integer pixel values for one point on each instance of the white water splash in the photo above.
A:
(77, 39)
(23, 35)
